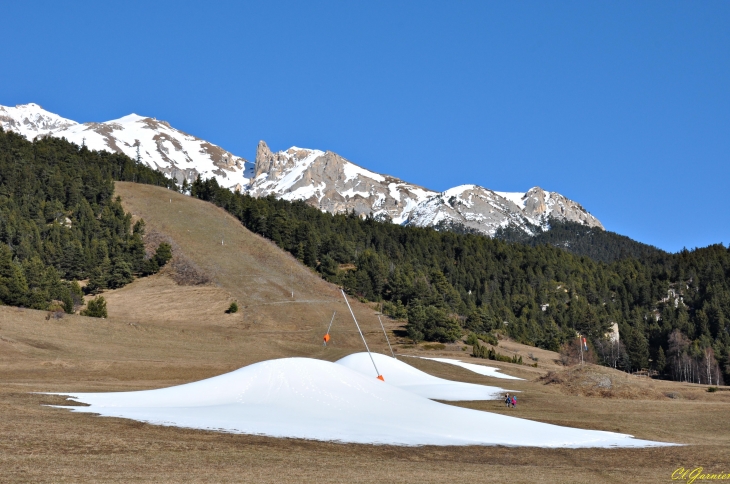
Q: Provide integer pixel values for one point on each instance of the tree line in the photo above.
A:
(596, 243)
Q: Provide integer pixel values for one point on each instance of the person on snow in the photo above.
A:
(514, 401)
(508, 401)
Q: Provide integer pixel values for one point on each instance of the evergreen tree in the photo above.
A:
(661, 361)
(163, 254)
(96, 308)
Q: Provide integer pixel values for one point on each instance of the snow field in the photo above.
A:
(481, 369)
(406, 377)
(313, 399)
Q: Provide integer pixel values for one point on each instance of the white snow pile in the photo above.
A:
(481, 369)
(406, 377)
(314, 399)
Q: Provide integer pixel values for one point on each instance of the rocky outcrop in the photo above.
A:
(332, 183)
(540, 204)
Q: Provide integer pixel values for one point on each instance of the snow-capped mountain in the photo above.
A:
(155, 142)
(486, 211)
(332, 183)
(321, 178)
(31, 120)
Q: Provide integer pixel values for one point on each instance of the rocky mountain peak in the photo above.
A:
(540, 204)
(332, 183)
(323, 179)
(485, 211)
(274, 164)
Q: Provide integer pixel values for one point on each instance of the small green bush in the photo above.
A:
(163, 254)
(487, 353)
(96, 308)
(233, 308)
(712, 389)
(485, 337)
(489, 338)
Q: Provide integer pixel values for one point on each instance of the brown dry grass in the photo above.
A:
(597, 381)
(160, 333)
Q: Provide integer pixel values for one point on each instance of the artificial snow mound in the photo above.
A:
(406, 377)
(313, 399)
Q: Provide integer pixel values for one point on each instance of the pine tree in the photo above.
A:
(96, 308)
(661, 361)
(163, 254)
(121, 274)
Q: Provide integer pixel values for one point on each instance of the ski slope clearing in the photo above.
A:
(413, 380)
(482, 370)
(314, 399)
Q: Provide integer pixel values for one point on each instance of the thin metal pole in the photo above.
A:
(326, 335)
(331, 321)
(386, 336)
(360, 331)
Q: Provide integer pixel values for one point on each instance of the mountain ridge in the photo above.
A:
(323, 179)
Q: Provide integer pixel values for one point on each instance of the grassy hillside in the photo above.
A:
(242, 267)
(160, 333)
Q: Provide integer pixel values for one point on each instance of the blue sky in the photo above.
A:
(621, 106)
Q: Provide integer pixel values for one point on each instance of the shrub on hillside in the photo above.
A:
(233, 308)
(488, 353)
(163, 254)
(186, 273)
(485, 337)
(96, 308)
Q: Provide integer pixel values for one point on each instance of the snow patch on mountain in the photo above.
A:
(31, 120)
(156, 143)
(485, 211)
(515, 197)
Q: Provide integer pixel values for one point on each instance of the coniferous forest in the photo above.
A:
(672, 310)
(60, 223)
(594, 242)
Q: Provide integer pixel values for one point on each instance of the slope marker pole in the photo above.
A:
(386, 337)
(327, 334)
(380, 377)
